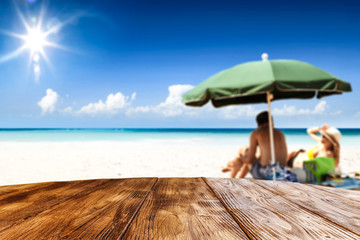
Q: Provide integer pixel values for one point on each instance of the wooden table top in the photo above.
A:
(178, 208)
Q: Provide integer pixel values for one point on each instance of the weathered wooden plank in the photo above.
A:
(183, 208)
(340, 209)
(20, 202)
(352, 195)
(95, 211)
(265, 215)
(28, 189)
(12, 189)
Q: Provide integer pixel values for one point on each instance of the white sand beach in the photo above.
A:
(29, 162)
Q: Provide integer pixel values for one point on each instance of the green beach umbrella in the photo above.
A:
(265, 81)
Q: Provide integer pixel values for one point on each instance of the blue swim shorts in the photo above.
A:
(257, 171)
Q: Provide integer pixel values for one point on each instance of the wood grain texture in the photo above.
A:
(98, 209)
(183, 208)
(352, 195)
(265, 215)
(177, 208)
(342, 209)
(20, 202)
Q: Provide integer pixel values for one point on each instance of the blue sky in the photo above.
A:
(127, 63)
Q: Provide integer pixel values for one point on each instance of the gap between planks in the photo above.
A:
(136, 211)
(227, 209)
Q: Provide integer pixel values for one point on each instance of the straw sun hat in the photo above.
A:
(332, 134)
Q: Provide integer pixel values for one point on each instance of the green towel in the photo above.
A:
(317, 167)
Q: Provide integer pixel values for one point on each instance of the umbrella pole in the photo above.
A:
(269, 97)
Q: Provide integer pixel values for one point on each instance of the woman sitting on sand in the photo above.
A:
(328, 146)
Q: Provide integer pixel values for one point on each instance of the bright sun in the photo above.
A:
(35, 40)
(37, 37)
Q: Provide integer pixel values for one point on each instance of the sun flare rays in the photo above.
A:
(38, 36)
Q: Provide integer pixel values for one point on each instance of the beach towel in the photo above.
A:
(347, 183)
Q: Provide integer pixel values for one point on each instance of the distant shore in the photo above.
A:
(29, 162)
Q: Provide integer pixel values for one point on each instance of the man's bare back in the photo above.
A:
(258, 154)
(260, 137)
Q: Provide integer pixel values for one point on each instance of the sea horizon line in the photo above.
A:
(152, 128)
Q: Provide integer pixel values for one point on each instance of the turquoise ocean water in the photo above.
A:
(350, 137)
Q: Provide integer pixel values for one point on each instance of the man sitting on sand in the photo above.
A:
(248, 157)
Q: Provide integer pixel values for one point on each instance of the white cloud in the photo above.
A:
(68, 110)
(172, 105)
(48, 102)
(175, 94)
(138, 110)
(336, 113)
(320, 108)
(113, 104)
(234, 112)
